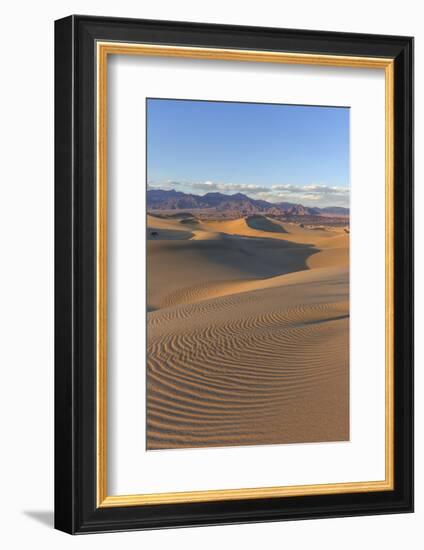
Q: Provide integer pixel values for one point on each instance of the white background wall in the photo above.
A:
(26, 272)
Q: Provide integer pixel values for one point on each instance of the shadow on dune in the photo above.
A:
(156, 234)
(189, 221)
(262, 223)
(246, 256)
(173, 265)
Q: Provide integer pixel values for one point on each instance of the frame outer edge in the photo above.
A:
(71, 516)
(407, 246)
(412, 262)
(64, 446)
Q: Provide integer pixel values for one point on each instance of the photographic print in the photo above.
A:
(247, 274)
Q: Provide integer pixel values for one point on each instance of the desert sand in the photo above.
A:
(248, 327)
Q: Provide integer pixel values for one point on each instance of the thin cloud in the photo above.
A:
(325, 195)
(326, 190)
(228, 187)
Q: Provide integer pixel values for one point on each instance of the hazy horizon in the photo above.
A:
(232, 193)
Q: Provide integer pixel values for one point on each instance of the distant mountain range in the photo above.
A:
(158, 199)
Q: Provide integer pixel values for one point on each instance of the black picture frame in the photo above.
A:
(76, 510)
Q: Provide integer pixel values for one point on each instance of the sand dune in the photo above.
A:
(161, 229)
(262, 223)
(179, 265)
(247, 334)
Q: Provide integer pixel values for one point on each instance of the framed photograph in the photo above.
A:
(233, 274)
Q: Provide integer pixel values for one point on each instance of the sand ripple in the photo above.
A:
(241, 370)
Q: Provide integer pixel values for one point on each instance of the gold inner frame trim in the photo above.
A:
(104, 49)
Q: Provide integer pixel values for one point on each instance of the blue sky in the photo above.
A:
(273, 152)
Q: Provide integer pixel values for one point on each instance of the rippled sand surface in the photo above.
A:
(248, 330)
